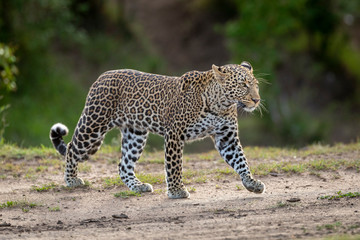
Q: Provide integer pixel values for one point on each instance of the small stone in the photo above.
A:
(121, 215)
(293, 200)
(5, 224)
(90, 220)
(60, 222)
(274, 174)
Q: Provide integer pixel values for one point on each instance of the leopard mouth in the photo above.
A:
(241, 105)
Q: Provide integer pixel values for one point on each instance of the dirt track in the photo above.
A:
(217, 209)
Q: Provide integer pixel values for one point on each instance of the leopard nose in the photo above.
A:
(255, 100)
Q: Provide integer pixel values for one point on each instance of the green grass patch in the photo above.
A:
(224, 171)
(14, 152)
(28, 162)
(198, 176)
(301, 167)
(343, 237)
(268, 152)
(330, 227)
(188, 174)
(110, 182)
(41, 169)
(11, 168)
(112, 161)
(127, 194)
(151, 178)
(264, 169)
(109, 149)
(340, 195)
(220, 173)
(152, 158)
(192, 189)
(281, 204)
(45, 187)
(84, 167)
(208, 156)
(30, 173)
(8, 204)
(56, 187)
(318, 149)
(155, 161)
(355, 226)
(24, 205)
(201, 179)
(311, 150)
(53, 162)
(54, 209)
(159, 191)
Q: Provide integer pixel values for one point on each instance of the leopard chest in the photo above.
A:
(202, 127)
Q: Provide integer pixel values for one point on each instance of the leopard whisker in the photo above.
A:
(262, 108)
(263, 80)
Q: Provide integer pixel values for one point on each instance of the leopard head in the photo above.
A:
(239, 85)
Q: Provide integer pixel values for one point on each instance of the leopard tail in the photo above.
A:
(57, 132)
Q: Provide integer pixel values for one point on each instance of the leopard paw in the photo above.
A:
(74, 182)
(178, 193)
(144, 187)
(255, 186)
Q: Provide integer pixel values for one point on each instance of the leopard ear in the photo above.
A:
(247, 65)
(219, 74)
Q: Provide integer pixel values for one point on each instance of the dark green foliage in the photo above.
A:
(62, 47)
(8, 69)
(303, 48)
(33, 27)
(8, 72)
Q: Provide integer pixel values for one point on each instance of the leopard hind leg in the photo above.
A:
(85, 141)
(132, 146)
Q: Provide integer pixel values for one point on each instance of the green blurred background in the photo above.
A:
(306, 51)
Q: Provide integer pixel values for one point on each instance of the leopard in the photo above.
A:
(184, 108)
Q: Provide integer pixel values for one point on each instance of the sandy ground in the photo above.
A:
(217, 209)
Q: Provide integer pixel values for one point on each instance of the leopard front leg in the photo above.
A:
(173, 166)
(228, 144)
(133, 143)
